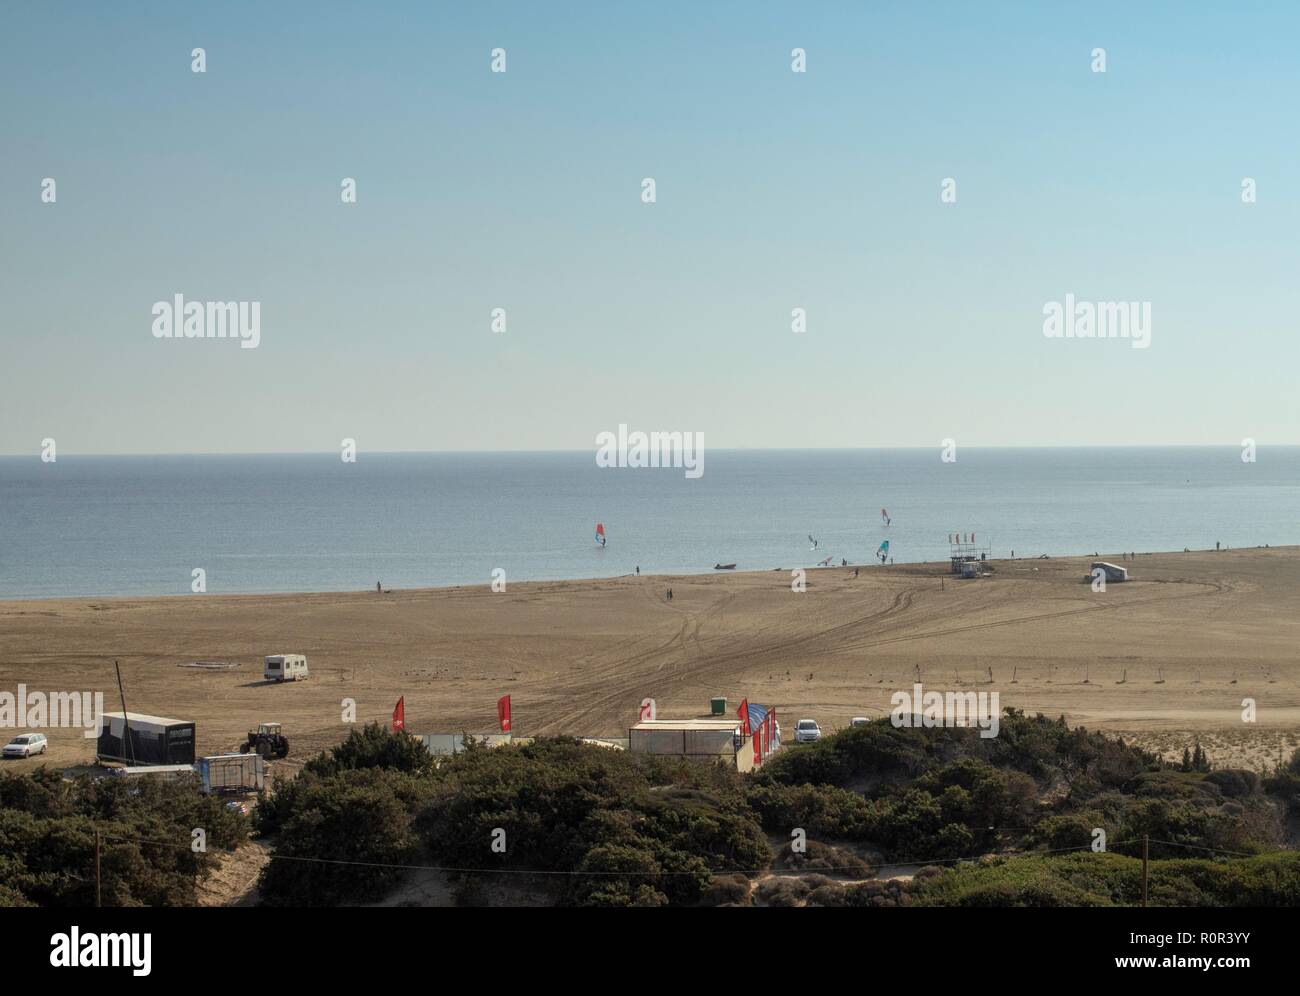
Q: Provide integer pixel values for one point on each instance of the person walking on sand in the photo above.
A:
(379, 587)
(638, 570)
(670, 594)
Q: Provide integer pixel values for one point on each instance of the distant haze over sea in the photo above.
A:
(139, 525)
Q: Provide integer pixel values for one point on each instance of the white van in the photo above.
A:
(284, 667)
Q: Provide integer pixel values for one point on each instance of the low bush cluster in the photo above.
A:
(47, 839)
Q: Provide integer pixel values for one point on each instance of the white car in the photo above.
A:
(859, 721)
(25, 745)
(806, 731)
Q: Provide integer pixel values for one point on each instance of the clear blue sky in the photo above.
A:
(522, 190)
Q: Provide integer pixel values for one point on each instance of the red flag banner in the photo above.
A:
(743, 713)
(503, 713)
(399, 715)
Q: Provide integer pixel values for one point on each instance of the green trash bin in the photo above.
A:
(718, 707)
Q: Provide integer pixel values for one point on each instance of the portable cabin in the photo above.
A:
(232, 773)
(134, 738)
(284, 667)
(719, 739)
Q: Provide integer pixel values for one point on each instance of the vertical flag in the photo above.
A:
(399, 715)
(503, 713)
(775, 737)
(647, 709)
(743, 714)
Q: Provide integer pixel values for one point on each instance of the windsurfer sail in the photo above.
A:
(600, 533)
(882, 551)
(813, 542)
(884, 515)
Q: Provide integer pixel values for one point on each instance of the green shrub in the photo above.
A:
(822, 810)
(358, 820)
(1060, 833)
(1110, 879)
(47, 839)
(373, 746)
(635, 829)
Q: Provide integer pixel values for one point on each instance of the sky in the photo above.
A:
(522, 190)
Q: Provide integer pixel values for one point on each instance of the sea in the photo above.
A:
(142, 525)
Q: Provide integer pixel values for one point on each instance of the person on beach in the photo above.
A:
(379, 586)
(670, 594)
(638, 570)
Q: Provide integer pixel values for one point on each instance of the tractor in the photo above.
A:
(268, 741)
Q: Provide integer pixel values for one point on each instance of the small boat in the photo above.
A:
(724, 567)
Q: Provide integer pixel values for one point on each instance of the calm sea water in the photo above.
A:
(140, 525)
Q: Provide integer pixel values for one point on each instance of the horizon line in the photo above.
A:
(720, 449)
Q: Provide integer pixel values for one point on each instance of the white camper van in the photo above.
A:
(284, 667)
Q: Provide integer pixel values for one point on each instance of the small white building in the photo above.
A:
(1113, 572)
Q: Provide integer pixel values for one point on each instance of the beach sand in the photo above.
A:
(1167, 657)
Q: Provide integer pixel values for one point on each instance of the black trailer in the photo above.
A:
(134, 738)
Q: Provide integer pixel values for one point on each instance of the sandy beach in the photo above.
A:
(1168, 656)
